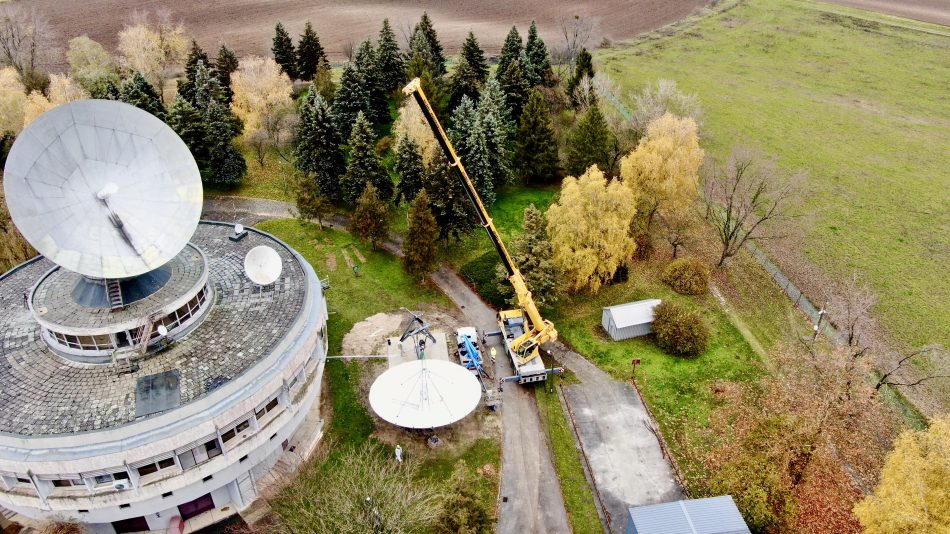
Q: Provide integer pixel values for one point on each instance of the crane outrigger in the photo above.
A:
(523, 330)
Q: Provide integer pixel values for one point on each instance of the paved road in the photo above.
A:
(530, 495)
(617, 437)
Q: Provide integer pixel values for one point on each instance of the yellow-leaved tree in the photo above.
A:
(589, 228)
(152, 49)
(914, 493)
(91, 65)
(12, 99)
(412, 124)
(62, 89)
(663, 171)
(262, 100)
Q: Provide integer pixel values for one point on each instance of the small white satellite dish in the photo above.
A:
(263, 265)
(162, 331)
(238, 228)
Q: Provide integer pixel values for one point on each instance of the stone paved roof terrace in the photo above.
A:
(43, 393)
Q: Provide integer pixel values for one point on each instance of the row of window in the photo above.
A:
(106, 342)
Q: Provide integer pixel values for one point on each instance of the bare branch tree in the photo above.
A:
(576, 32)
(349, 49)
(746, 199)
(850, 311)
(26, 41)
(939, 367)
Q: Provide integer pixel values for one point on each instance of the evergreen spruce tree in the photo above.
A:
(463, 120)
(224, 65)
(537, 52)
(311, 202)
(473, 54)
(589, 143)
(317, 146)
(450, 205)
(366, 63)
(516, 88)
(464, 82)
(323, 82)
(364, 165)
(510, 51)
(226, 163)
(421, 57)
(534, 255)
(431, 39)
(138, 92)
(492, 105)
(351, 99)
(189, 123)
(283, 50)
(583, 66)
(309, 53)
(389, 62)
(480, 163)
(110, 91)
(434, 86)
(186, 87)
(495, 118)
(421, 255)
(536, 157)
(370, 221)
(410, 169)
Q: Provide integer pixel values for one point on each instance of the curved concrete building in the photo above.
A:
(188, 425)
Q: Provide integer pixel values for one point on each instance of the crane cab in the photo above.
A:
(512, 323)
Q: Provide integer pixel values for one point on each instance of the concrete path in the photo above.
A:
(618, 438)
(247, 211)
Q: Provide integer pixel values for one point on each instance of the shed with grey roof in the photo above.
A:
(713, 515)
(633, 319)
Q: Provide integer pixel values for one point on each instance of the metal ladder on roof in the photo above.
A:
(114, 292)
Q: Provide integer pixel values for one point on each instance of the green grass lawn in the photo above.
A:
(275, 180)
(678, 390)
(858, 100)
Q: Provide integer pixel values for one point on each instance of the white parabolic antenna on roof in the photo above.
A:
(103, 188)
(262, 265)
(425, 394)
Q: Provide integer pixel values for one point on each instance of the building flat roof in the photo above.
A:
(632, 313)
(44, 394)
(712, 515)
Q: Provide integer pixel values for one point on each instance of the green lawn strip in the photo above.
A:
(814, 85)
(578, 499)
(678, 390)
(275, 180)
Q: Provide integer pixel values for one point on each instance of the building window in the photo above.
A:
(148, 469)
(66, 483)
(199, 454)
(108, 478)
(267, 408)
(231, 434)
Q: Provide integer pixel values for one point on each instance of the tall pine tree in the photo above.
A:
(317, 146)
(410, 169)
(364, 166)
(492, 105)
(516, 88)
(389, 61)
(464, 82)
(431, 39)
(370, 221)
(366, 63)
(510, 51)
(226, 165)
(421, 255)
(481, 163)
(224, 65)
(351, 99)
(283, 50)
(583, 66)
(450, 205)
(463, 120)
(537, 52)
(186, 87)
(534, 255)
(494, 115)
(309, 53)
(536, 157)
(189, 123)
(589, 143)
(138, 92)
(473, 54)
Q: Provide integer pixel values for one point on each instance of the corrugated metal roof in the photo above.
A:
(632, 313)
(713, 515)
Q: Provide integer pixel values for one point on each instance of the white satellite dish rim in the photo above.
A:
(425, 394)
(103, 188)
(263, 265)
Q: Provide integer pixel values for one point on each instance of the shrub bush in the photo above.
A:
(680, 330)
(687, 276)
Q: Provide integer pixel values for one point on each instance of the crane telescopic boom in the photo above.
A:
(539, 330)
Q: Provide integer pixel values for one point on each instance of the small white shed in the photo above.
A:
(633, 319)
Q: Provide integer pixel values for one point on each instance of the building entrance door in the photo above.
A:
(198, 506)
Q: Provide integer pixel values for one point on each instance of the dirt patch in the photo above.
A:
(936, 11)
(247, 26)
(331, 261)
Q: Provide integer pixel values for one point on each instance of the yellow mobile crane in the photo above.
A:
(522, 337)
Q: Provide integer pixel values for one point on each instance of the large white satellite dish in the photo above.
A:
(103, 188)
(425, 394)
(263, 265)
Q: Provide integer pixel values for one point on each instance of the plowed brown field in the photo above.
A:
(247, 26)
